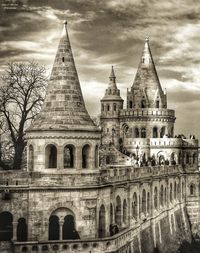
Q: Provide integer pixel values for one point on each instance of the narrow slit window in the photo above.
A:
(63, 59)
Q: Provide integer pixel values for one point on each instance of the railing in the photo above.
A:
(114, 174)
(106, 245)
(147, 112)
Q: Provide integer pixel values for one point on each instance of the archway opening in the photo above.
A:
(6, 227)
(143, 132)
(155, 132)
(144, 201)
(96, 156)
(118, 212)
(22, 230)
(135, 206)
(86, 156)
(69, 156)
(51, 156)
(31, 157)
(54, 228)
(102, 222)
(69, 231)
(124, 211)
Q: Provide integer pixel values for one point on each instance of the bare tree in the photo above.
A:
(21, 96)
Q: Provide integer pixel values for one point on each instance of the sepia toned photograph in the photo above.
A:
(99, 126)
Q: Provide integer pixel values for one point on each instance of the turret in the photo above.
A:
(63, 136)
(111, 104)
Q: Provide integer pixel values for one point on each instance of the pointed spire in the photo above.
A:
(112, 92)
(112, 74)
(64, 107)
(112, 79)
(146, 77)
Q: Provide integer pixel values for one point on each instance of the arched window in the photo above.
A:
(69, 230)
(187, 158)
(102, 221)
(108, 107)
(111, 214)
(124, 212)
(155, 132)
(69, 156)
(171, 193)
(115, 107)
(194, 158)
(143, 132)
(22, 230)
(86, 157)
(165, 195)
(131, 104)
(135, 206)
(162, 132)
(96, 156)
(31, 157)
(157, 104)
(180, 158)
(175, 190)
(173, 159)
(144, 201)
(6, 227)
(102, 107)
(51, 156)
(161, 195)
(183, 189)
(156, 198)
(54, 229)
(192, 189)
(137, 134)
(148, 203)
(143, 103)
(118, 213)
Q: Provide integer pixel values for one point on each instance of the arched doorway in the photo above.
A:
(22, 230)
(102, 221)
(54, 228)
(86, 156)
(68, 156)
(51, 156)
(6, 227)
(69, 231)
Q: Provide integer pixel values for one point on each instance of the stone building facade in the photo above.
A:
(128, 187)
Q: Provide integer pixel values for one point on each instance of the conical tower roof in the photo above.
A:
(64, 107)
(112, 92)
(146, 76)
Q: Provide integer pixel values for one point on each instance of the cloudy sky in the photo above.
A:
(112, 32)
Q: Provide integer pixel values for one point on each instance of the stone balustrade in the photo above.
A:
(147, 112)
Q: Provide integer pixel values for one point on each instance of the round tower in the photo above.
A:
(111, 104)
(63, 137)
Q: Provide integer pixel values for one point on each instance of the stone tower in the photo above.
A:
(111, 104)
(63, 132)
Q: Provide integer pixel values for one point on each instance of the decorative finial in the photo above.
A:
(65, 22)
(147, 38)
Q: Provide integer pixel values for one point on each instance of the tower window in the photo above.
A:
(157, 104)
(143, 103)
(143, 132)
(63, 59)
(108, 108)
(115, 107)
(131, 104)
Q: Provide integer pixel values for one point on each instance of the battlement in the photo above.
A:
(148, 112)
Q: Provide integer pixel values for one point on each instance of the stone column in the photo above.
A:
(14, 230)
(61, 223)
(60, 157)
(78, 158)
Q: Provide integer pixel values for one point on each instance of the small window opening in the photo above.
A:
(63, 59)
